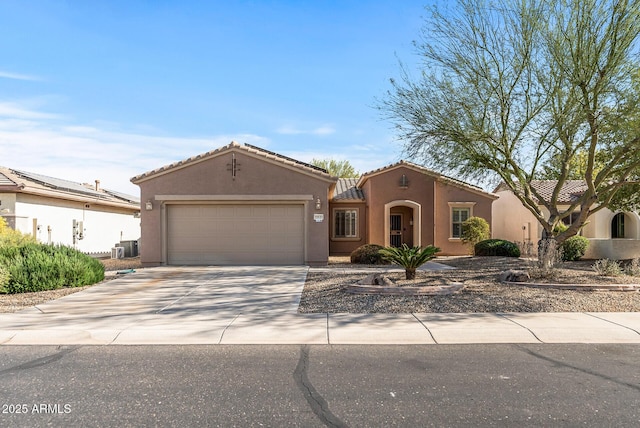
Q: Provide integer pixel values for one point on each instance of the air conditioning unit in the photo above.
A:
(117, 253)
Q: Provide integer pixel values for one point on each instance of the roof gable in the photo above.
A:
(437, 176)
(248, 149)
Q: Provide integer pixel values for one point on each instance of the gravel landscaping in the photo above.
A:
(325, 291)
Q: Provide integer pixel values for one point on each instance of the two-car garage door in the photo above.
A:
(235, 234)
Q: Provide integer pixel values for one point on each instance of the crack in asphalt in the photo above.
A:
(318, 405)
(43, 361)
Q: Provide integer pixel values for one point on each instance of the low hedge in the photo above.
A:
(37, 267)
(497, 247)
(574, 248)
(368, 254)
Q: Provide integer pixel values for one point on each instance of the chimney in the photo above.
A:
(97, 185)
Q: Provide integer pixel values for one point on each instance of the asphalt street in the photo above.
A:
(321, 385)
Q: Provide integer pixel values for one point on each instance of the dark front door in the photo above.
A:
(395, 223)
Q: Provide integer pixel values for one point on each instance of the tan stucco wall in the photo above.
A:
(435, 219)
(512, 221)
(345, 246)
(509, 216)
(384, 188)
(446, 195)
(255, 176)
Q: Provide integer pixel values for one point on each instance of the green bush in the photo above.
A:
(474, 230)
(4, 277)
(368, 254)
(410, 258)
(574, 248)
(496, 247)
(39, 267)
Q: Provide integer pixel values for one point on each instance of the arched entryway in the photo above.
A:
(402, 223)
(624, 226)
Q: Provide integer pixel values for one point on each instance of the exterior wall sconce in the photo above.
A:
(404, 181)
(149, 205)
(318, 204)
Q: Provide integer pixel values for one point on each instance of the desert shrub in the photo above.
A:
(573, 248)
(38, 267)
(410, 258)
(496, 247)
(474, 230)
(368, 254)
(633, 268)
(606, 267)
(4, 278)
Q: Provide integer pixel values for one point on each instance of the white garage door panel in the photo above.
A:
(235, 234)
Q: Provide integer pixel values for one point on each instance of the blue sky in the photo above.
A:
(108, 90)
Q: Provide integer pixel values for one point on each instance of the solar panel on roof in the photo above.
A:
(60, 184)
(124, 196)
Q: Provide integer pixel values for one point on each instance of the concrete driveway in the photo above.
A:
(175, 305)
(258, 305)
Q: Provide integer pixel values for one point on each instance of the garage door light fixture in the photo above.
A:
(149, 205)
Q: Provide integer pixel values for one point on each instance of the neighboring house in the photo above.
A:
(612, 235)
(241, 204)
(59, 211)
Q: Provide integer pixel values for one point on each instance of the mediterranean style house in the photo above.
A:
(240, 204)
(612, 235)
(58, 211)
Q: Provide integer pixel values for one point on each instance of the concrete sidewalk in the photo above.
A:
(258, 305)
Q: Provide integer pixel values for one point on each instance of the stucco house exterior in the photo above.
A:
(405, 203)
(240, 204)
(59, 211)
(612, 235)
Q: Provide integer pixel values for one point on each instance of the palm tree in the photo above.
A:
(410, 258)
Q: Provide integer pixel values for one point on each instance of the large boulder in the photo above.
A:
(376, 279)
(513, 275)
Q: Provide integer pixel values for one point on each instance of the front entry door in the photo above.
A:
(395, 222)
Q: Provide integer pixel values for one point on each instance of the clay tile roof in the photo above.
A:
(308, 168)
(571, 189)
(346, 190)
(6, 181)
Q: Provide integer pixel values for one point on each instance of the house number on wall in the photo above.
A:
(319, 218)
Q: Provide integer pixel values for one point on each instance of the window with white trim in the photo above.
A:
(345, 223)
(458, 216)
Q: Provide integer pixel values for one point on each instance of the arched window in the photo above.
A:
(617, 226)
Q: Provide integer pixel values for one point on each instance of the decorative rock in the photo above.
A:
(377, 279)
(512, 275)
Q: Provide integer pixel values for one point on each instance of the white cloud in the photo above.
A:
(17, 111)
(17, 76)
(32, 142)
